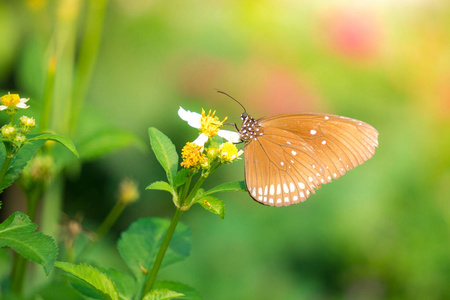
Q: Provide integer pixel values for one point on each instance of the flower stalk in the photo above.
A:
(162, 251)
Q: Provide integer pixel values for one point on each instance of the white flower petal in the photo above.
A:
(2, 107)
(24, 100)
(201, 140)
(192, 118)
(22, 105)
(231, 136)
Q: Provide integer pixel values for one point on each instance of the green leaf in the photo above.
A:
(188, 292)
(165, 152)
(161, 294)
(90, 281)
(17, 233)
(160, 185)
(228, 187)
(139, 244)
(106, 141)
(18, 162)
(213, 204)
(125, 283)
(181, 177)
(65, 141)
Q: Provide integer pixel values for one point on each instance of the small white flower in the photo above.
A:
(194, 120)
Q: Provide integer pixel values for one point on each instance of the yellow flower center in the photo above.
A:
(10, 100)
(228, 152)
(192, 155)
(210, 124)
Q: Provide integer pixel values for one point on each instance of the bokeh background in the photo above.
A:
(380, 232)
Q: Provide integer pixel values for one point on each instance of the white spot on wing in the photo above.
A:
(292, 186)
(293, 152)
(278, 189)
(272, 189)
(285, 188)
(313, 132)
(324, 142)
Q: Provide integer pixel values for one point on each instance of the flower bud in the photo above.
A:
(9, 131)
(26, 124)
(128, 191)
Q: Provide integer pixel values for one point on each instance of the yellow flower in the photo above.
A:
(228, 152)
(192, 155)
(210, 124)
(13, 101)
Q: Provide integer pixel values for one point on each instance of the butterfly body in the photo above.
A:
(289, 156)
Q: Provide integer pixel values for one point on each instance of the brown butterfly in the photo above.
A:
(288, 156)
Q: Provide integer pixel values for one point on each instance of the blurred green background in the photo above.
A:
(380, 232)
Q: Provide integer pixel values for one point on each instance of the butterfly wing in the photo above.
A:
(298, 152)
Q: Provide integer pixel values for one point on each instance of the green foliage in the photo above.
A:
(90, 281)
(181, 178)
(125, 283)
(212, 204)
(106, 141)
(235, 186)
(161, 294)
(188, 292)
(19, 162)
(160, 185)
(165, 152)
(17, 232)
(139, 245)
(66, 142)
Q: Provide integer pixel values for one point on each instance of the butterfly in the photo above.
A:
(288, 156)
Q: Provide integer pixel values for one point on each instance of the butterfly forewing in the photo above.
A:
(288, 156)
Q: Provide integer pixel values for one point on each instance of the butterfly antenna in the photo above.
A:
(221, 92)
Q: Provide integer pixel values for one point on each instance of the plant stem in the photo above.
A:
(110, 219)
(162, 251)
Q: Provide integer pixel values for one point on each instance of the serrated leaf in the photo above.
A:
(139, 244)
(228, 187)
(19, 162)
(65, 141)
(160, 185)
(125, 283)
(91, 277)
(17, 232)
(188, 292)
(161, 294)
(106, 141)
(165, 152)
(181, 177)
(213, 204)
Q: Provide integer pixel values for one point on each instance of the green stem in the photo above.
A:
(184, 190)
(162, 251)
(110, 219)
(189, 199)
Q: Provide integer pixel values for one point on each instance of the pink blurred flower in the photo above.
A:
(355, 34)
